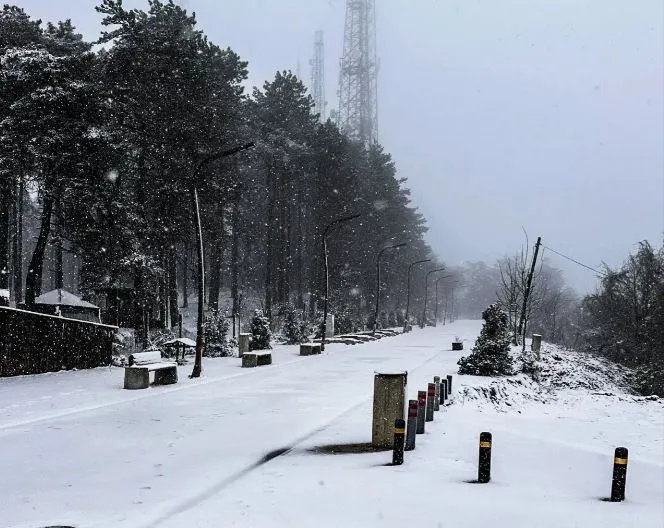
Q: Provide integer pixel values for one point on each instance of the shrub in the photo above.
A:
(216, 328)
(260, 332)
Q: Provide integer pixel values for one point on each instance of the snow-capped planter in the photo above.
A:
(310, 349)
(457, 344)
(256, 359)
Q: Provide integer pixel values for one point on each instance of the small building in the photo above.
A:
(65, 304)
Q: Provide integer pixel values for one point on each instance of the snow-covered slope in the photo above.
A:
(243, 447)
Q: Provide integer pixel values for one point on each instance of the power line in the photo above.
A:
(598, 272)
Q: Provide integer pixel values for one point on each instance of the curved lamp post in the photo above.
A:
(327, 279)
(410, 267)
(200, 337)
(435, 317)
(380, 254)
(426, 291)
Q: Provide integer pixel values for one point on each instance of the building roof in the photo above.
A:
(63, 298)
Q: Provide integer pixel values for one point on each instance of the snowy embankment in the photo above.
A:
(77, 450)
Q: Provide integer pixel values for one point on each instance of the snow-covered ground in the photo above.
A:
(76, 449)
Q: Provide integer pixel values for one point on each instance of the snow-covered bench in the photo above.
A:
(137, 374)
(310, 349)
(256, 358)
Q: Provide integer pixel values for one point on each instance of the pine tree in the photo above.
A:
(260, 332)
(216, 334)
(294, 329)
(491, 354)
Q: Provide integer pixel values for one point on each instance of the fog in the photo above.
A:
(546, 116)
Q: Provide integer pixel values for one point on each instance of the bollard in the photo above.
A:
(399, 434)
(484, 466)
(431, 395)
(421, 405)
(436, 400)
(619, 475)
(449, 385)
(412, 425)
(443, 391)
(243, 344)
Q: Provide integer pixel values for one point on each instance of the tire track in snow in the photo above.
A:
(211, 491)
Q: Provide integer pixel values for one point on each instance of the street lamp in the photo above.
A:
(380, 254)
(327, 279)
(435, 317)
(426, 291)
(410, 267)
(200, 336)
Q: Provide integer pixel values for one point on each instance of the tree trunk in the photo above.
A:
(269, 249)
(235, 251)
(215, 276)
(299, 265)
(33, 278)
(140, 330)
(59, 269)
(18, 242)
(5, 209)
(185, 277)
(173, 286)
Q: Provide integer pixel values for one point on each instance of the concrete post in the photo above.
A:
(389, 404)
(537, 343)
(329, 326)
(243, 343)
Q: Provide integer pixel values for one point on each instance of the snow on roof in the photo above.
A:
(181, 340)
(63, 298)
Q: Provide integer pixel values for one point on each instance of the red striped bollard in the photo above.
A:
(411, 431)
(431, 395)
(421, 406)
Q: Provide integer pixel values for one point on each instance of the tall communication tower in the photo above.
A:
(318, 75)
(358, 88)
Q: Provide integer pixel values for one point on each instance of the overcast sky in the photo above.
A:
(546, 114)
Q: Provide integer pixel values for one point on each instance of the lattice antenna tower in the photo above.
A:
(358, 87)
(318, 75)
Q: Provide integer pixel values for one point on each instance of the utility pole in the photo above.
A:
(522, 320)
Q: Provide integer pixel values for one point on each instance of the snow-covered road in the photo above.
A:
(76, 449)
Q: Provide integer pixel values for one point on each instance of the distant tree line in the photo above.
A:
(623, 320)
(100, 151)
